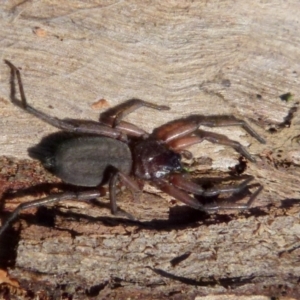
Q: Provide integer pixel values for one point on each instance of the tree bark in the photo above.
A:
(198, 57)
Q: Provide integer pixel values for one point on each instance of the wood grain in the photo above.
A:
(198, 57)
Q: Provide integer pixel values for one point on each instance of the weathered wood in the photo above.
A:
(197, 57)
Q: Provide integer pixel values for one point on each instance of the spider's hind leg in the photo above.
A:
(80, 196)
(68, 125)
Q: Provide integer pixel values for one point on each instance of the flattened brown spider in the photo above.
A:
(112, 150)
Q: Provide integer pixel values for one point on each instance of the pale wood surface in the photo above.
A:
(205, 57)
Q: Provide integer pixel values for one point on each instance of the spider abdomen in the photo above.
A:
(86, 161)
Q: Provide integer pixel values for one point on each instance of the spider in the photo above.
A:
(113, 150)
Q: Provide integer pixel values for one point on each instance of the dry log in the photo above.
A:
(202, 57)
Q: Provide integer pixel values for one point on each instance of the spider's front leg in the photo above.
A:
(180, 188)
(215, 138)
(183, 133)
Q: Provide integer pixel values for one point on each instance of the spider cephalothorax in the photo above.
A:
(154, 160)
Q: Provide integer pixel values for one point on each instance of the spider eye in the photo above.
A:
(175, 162)
(166, 163)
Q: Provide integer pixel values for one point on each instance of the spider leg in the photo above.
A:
(181, 182)
(113, 116)
(186, 126)
(179, 188)
(81, 196)
(179, 194)
(129, 183)
(242, 206)
(182, 133)
(201, 135)
(120, 111)
(70, 125)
